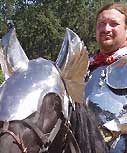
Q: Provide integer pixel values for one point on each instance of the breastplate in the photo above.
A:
(106, 95)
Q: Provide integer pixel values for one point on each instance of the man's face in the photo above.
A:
(110, 31)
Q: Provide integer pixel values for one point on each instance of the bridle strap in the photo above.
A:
(55, 130)
(18, 139)
(73, 143)
(43, 137)
(71, 139)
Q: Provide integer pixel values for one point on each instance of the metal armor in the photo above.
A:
(106, 98)
(28, 81)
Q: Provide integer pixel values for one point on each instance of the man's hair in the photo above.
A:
(122, 8)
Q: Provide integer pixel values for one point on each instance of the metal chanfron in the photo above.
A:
(20, 94)
(12, 55)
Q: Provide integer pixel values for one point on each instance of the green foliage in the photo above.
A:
(1, 77)
(39, 31)
(41, 24)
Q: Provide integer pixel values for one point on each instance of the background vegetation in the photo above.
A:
(41, 24)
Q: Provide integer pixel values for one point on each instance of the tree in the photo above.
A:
(41, 24)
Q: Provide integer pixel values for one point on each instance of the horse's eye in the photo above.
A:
(57, 105)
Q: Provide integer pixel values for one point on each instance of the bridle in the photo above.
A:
(46, 140)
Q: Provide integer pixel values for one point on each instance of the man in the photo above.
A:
(105, 92)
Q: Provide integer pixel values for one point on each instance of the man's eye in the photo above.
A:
(101, 24)
(114, 24)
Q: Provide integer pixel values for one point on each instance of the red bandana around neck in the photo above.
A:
(101, 59)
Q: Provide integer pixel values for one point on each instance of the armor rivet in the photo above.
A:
(103, 73)
(101, 82)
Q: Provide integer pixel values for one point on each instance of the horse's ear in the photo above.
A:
(71, 44)
(71, 53)
(14, 57)
(73, 63)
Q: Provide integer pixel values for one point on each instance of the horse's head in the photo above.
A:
(34, 102)
(33, 97)
(36, 95)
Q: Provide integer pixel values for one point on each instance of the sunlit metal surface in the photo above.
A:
(102, 97)
(106, 97)
(26, 81)
(71, 45)
(20, 94)
(116, 74)
(14, 57)
(73, 63)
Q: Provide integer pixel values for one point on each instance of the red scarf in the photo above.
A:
(100, 59)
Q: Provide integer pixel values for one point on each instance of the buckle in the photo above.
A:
(108, 136)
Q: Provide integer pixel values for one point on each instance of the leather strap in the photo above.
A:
(18, 139)
(72, 141)
(43, 137)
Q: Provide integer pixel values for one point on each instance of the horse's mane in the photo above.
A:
(86, 131)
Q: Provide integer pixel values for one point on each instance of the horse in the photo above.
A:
(40, 108)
